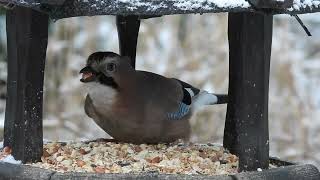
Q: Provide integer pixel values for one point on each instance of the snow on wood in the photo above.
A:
(73, 8)
(10, 159)
(304, 4)
(210, 4)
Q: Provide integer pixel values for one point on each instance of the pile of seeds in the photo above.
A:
(110, 157)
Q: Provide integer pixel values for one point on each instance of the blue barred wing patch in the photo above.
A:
(182, 111)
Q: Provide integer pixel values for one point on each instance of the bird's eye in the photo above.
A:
(111, 67)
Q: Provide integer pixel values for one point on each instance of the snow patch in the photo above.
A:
(259, 169)
(210, 4)
(10, 159)
(298, 4)
(135, 4)
(179, 4)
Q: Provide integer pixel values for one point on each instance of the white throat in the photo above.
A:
(101, 95)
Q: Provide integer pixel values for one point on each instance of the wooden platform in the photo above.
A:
(292, 172)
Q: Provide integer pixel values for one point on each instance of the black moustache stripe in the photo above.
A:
(108, 81)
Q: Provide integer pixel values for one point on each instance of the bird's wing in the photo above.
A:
(184, 104)
(188, 91)
(166, 96)
(182, 111)
(198, 97)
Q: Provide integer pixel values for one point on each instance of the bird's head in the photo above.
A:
(105, 68)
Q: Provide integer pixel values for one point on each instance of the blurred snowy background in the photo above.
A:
(195, 49)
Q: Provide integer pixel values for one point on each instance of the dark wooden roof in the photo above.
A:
(58, 9)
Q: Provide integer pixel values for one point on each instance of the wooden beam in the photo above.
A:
(52, 2)
(246, 128)
(271, 4)
(27, 35)
(295, 172)
(145, 8)
(128, 31)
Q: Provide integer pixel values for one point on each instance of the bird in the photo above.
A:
(137, 106)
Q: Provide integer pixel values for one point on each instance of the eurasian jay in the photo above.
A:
(138, 106)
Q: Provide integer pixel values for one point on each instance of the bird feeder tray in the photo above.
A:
(250, 37)
(61, 159)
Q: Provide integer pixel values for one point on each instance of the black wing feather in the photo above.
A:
(187, 99)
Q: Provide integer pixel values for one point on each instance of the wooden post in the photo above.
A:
(246, 128)
(128, 31)
(27, 36)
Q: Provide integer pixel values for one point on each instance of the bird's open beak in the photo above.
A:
(88, 74)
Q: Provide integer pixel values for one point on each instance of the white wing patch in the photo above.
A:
(190, 92)
(204, 98)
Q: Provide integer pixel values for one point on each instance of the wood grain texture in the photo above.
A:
(53, 2)
(295, 172)
(27, 35)
(147, 8)
(34, 2)
(271, 4)
(246, 127)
